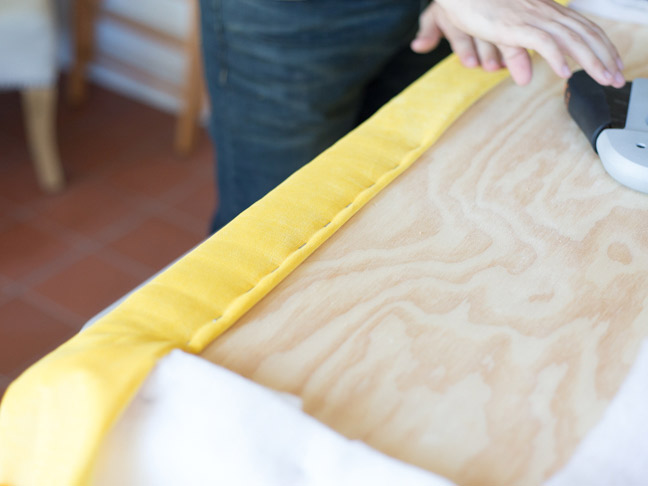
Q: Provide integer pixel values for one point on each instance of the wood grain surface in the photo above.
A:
(479, 314)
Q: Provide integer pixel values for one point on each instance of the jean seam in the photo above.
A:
(219, 28)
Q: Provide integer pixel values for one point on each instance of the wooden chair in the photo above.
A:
(191, 92)
(28, 64)
(39, 108)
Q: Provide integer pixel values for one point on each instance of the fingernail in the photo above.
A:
(566, 72)
(470, 61)
(493, 65)
(619, 79)
(607, 75)
(619, 63)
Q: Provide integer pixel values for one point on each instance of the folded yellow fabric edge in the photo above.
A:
(53, 418)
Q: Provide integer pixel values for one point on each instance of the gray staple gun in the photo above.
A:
(615, 121)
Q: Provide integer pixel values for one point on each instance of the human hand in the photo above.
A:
(471, 52)
(512, 26)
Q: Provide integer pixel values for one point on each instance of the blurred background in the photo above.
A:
(105, 167)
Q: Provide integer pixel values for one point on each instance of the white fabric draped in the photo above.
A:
(196, 423)
(27, 43)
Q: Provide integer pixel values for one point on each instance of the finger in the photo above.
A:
(572, 43)
(544, 43)
(426, 41)
(588, 41)
(597, 30)
(581, 40)
(489, 56)
(429, 35)
(462, 45)
(518, 62)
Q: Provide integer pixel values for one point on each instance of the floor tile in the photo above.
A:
(6, 208)
(18, 184)
(85, 153)
(87, 208)
(126, 117)
(26, 334)
(153, 177)
(88, 286)
(25, 249)
(87, 157)
(156, 243)
(200, 202)
(5, 220)
(5, 285)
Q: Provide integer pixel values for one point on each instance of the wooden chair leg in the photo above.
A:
(84, 13)
(39, 107)
(186, 126)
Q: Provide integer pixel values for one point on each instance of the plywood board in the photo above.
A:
(476, 317)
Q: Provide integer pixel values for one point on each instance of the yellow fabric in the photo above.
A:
(53, 418)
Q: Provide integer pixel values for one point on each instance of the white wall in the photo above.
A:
(158, 59)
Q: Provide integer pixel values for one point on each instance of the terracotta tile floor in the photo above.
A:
(131, 207)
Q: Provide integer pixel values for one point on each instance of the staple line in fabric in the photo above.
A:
(54, 417)
(415, 153)
(367, 193)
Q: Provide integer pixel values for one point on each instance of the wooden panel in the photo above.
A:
(476, 318)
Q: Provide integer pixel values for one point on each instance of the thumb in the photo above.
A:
(429, 35)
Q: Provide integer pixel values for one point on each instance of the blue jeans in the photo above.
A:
(288, 78)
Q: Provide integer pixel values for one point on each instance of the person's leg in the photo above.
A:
(286, 80)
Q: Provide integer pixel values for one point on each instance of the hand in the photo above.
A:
(542, 25)
(471, 52)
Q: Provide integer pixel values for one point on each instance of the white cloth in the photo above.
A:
(27, 43)
(195, 423)
(615, 452)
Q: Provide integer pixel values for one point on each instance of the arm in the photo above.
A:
(498, 32)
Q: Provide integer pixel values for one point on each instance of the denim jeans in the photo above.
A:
(288, 78)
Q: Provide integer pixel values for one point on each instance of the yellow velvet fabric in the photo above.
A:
(53, 418)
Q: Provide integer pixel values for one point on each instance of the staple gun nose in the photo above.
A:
(615, 121)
